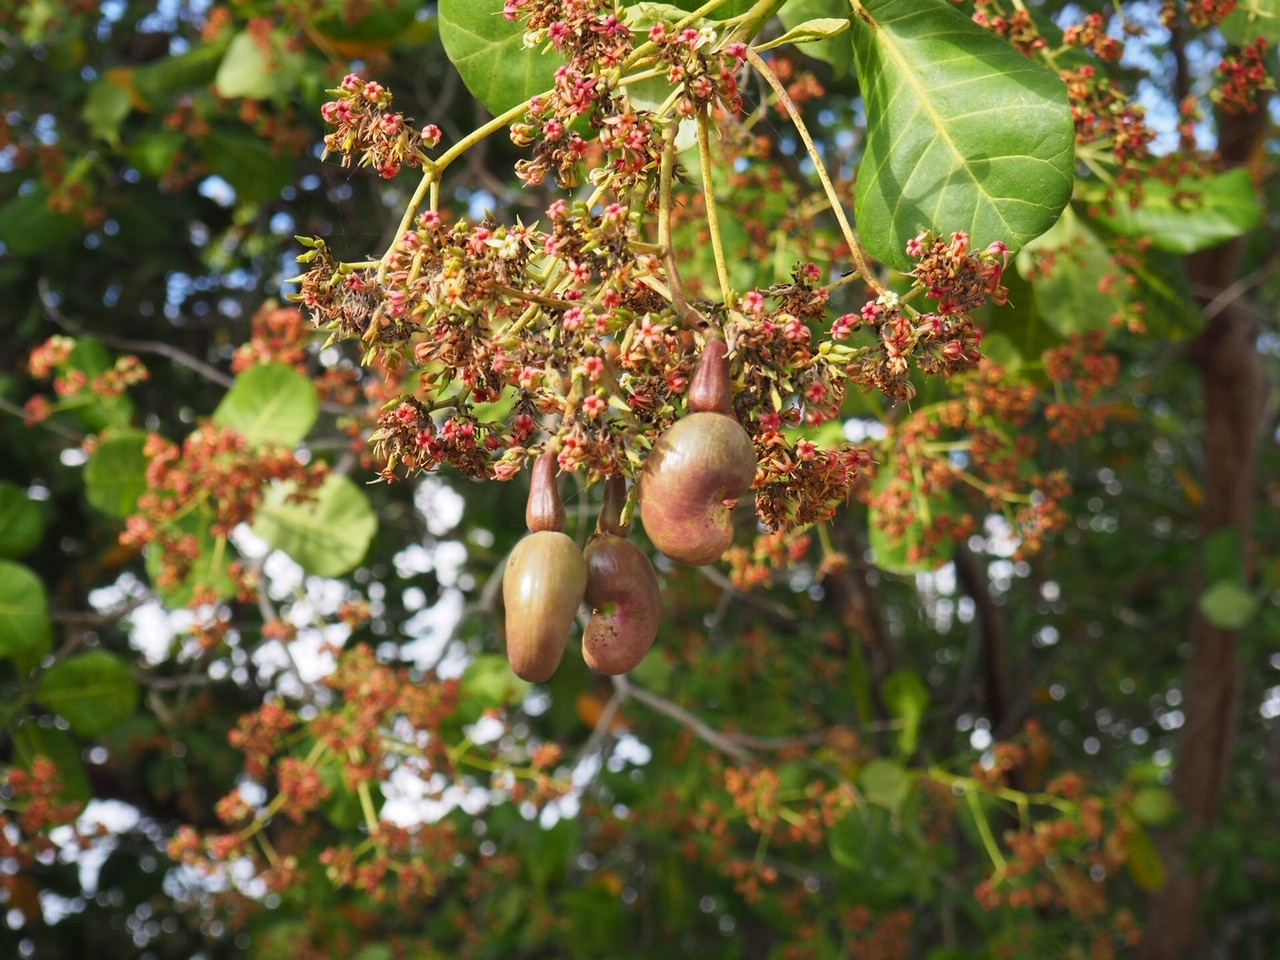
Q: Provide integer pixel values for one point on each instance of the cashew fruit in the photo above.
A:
(697, 470)
(542, 589)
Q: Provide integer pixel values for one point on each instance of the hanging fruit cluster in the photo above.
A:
(689, 489)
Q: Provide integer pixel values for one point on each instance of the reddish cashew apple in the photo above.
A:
(622, 589)
(697, 470)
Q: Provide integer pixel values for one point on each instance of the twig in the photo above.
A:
(65, 432)
(722, 581)
(700, 728)
(837, 208)
(160, 349)
(605, 720)
(1234, 291)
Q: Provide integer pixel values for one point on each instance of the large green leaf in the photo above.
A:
(1252, 19)
(1171, 312)
(21, 521)
(1071, 265)
(329, 535)
(270, 403)
(1194, 214)
(105, 107)
(28, 225)
(94, 691)
(252, 68)
(116, 475)
(24, 614)
(489, 53)
(159, 80)
(963, 132)
(247, 162)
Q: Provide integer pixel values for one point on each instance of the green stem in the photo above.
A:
(713, 220)
(837, 208)
(753, 21)
(366, 806)
(984, 831)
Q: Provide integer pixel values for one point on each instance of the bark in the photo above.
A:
(995, 669)
(1234, 389)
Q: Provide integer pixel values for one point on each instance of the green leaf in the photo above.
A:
(1071, 266)
(24, 614)
(819, 28)
(963, 132)
(116, 475)
(1154, 806)
(105, 107)
(342, 807)
(21, 521)
(1194, 214)
(907, 698)
(28, 226)
(847, 840)
(249, 70)
(95, 411)
(209, 568)
(1171, 311)
(153, 152)
(1252, 19)
(247, 162)
(490, 56)
(885, 782)
(1224, 555)
(327, 536)
(1144, 861)
(1228, 605)
(94, 691)
(488, 684)
(837, 49)
(156, 82)
(270, 403)
(382, 23)
(1019, 321)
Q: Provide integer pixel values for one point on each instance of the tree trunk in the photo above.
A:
(1234, 386)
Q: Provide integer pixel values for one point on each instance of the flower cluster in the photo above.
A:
(1243, 78)
(1201, 13)
(1103, 113)
(1092, 34)
(364, 124)
(56, 359)
(1081, 366)
(705, 72)
(972, 444)
(279, 335)
(1019, 29)
(216, 474)
(943, 342)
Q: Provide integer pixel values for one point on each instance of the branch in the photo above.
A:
(65, 432)
(161, 349)
(708, 734)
